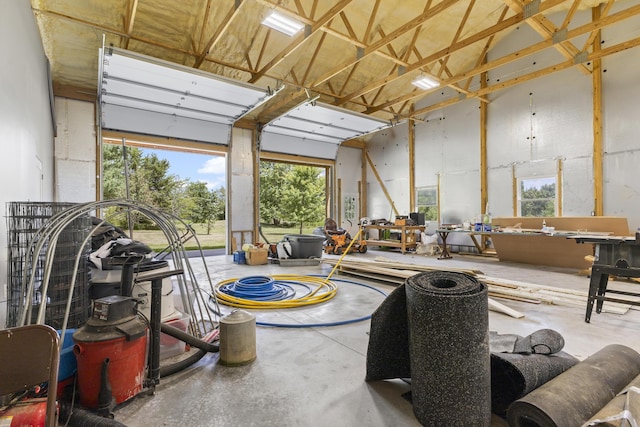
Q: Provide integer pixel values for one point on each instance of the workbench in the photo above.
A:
(527, 246)
(614, 255)
(531, 246)
(407, 236)
(443, 233)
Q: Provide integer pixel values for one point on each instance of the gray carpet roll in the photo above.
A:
(514, 375)
(576, 395)
(448, 320)
(388, 350)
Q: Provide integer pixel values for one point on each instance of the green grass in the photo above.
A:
(274, 234)
(216, 237)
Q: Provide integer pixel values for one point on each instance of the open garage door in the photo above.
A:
(316, 130)
(148, 96)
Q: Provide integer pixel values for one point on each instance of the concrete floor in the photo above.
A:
(315, 376)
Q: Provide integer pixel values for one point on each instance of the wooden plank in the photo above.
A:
(398, 277)
(501, 308)
(389, 271)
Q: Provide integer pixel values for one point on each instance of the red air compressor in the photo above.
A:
(111, 353)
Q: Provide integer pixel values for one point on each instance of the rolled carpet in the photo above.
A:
(577, 394)
(447, 314)
(388, 350)
(514, 375)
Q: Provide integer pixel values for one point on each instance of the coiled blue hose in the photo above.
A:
(262, 288)
(266, 288)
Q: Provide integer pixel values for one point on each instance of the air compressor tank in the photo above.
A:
(110, 350)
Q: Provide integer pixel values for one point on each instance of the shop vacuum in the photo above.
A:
(111, 349)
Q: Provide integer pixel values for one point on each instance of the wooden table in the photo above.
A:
(407, 236)
(443, 233)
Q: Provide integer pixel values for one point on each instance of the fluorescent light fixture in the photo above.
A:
(282, 23)
(425, 82)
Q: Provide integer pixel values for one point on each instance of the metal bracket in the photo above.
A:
(580, 57)
(359, 52)
(462, 96)
(307, 31)
(531, 9)
(401, 70)
(559, 36)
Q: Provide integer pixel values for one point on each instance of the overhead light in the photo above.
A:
(425, 82)
(282, 23)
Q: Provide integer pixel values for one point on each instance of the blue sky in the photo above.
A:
(196, 167)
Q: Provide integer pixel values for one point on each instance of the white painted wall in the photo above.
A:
(530, 127)
(26, 131)
(348, 171)
(240, 193)
(389, 152)
(75, 151)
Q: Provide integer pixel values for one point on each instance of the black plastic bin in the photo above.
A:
(305, 245)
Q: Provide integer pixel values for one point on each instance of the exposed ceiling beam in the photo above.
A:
(300, 39)
(369, 49)
(629, 44)
(215, 38)
(314, 57)
(546, 29)
(507, 23)
(604, 12)
(131, 18)
(522, 53)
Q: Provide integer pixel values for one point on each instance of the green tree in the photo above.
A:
(303, 196)
(149, 181)
(203, 206)
(538, 202)
(273, 178)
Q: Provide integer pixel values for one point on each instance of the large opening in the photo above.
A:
(293, 198)
(184, 179)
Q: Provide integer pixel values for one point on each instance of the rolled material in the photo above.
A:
(448, 321)
(613, 408)
(514, 375)
(576, 395)
(388, 351)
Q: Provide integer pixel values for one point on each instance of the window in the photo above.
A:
(427, 202)
(537, 196)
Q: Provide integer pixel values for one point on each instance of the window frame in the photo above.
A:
(435, 205)
(519, 200)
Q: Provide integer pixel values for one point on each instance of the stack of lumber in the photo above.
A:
(396, 273)
(393, 272)
(544, 294)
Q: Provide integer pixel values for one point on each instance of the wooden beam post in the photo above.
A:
(559, 187)
(363, 185)
(596, 77)
(412, 164)
(484, 195)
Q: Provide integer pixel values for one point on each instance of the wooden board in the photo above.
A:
(556, 251)
(396, 273)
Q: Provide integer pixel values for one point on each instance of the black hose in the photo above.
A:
(174, 368)
(79, 417)
(189, 339)
(203, 347)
